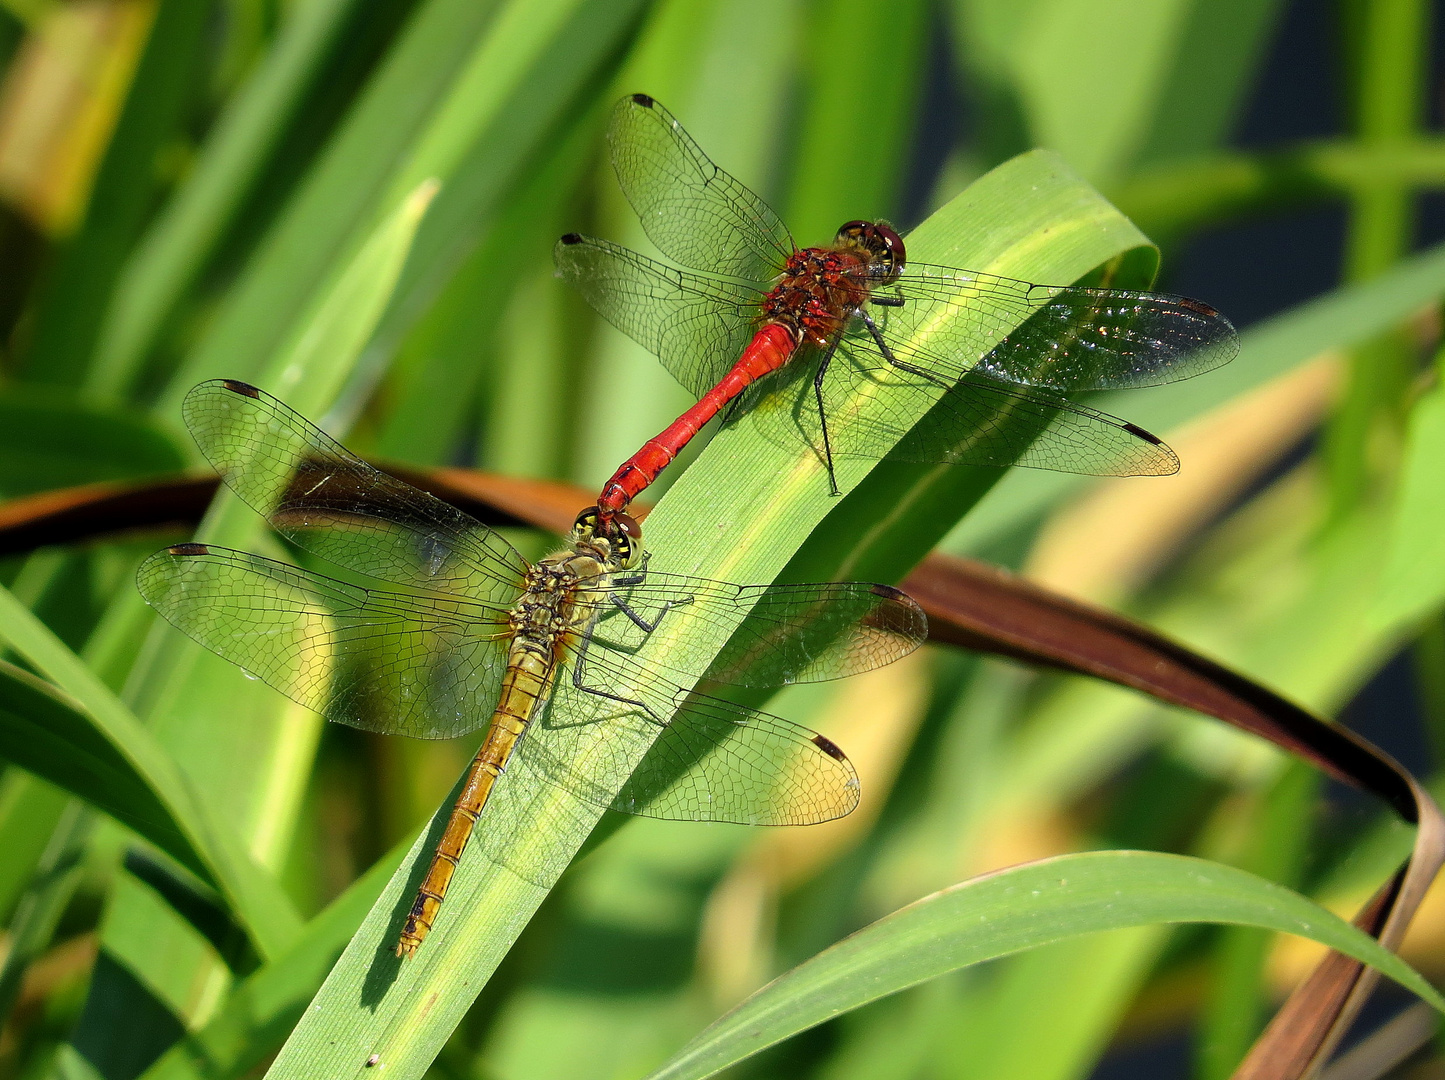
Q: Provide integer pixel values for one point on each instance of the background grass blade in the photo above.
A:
(152, 780)
(51, 737)
(47, 440)
(266, 1005)
(995, 915)
(124, 188)
(1414, 580)
(182, 241)
(195, 701)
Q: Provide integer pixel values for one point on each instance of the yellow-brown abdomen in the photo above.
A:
(524, 687)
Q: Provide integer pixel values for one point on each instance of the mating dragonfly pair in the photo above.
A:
(573, 662)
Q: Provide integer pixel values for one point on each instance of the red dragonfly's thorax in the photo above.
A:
(817, 291)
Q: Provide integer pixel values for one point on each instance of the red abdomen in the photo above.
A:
(771, 348)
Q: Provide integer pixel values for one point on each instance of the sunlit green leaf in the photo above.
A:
(1029, 215)
(178, 245)
(262, 1009)
(247, 751)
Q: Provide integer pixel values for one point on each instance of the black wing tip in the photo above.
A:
(829, 747)
(888, 592)
(901, 617)
(647, 101)
(1164, 463)
(188, 549)
(1199, 307)
(1222, 338)
(570, 238)
(897, 595)
(1147, 436)
(1222, 331)
(245, 389)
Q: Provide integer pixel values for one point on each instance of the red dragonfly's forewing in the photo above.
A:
(697, 326)
(697, 214)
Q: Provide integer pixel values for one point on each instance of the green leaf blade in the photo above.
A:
(1032, 218)
(1009, 911)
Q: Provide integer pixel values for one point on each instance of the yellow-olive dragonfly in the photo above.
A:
(449, 627)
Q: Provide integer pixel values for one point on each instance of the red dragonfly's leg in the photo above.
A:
(883, 348)
(823, 412)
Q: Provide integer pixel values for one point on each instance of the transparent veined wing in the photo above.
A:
(977, 420)
(774, 634)
(427, 666)
(705, 759)
(696, 214)
(1064, 338)
(697, 326)
(318, 494)
(1004, 402)
(714, 761)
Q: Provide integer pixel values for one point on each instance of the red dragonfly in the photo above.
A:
(792, 335)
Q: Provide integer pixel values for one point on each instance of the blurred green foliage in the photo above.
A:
(239, 189)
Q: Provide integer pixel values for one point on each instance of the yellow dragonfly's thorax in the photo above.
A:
(561, 596)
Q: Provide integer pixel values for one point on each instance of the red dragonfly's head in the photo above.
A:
(879, 244)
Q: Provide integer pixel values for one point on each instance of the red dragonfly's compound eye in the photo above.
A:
(883, 245)
(893, 242)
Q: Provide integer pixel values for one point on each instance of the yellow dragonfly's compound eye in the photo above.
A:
(585, 526)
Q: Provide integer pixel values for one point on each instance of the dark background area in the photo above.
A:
(1258, 268)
